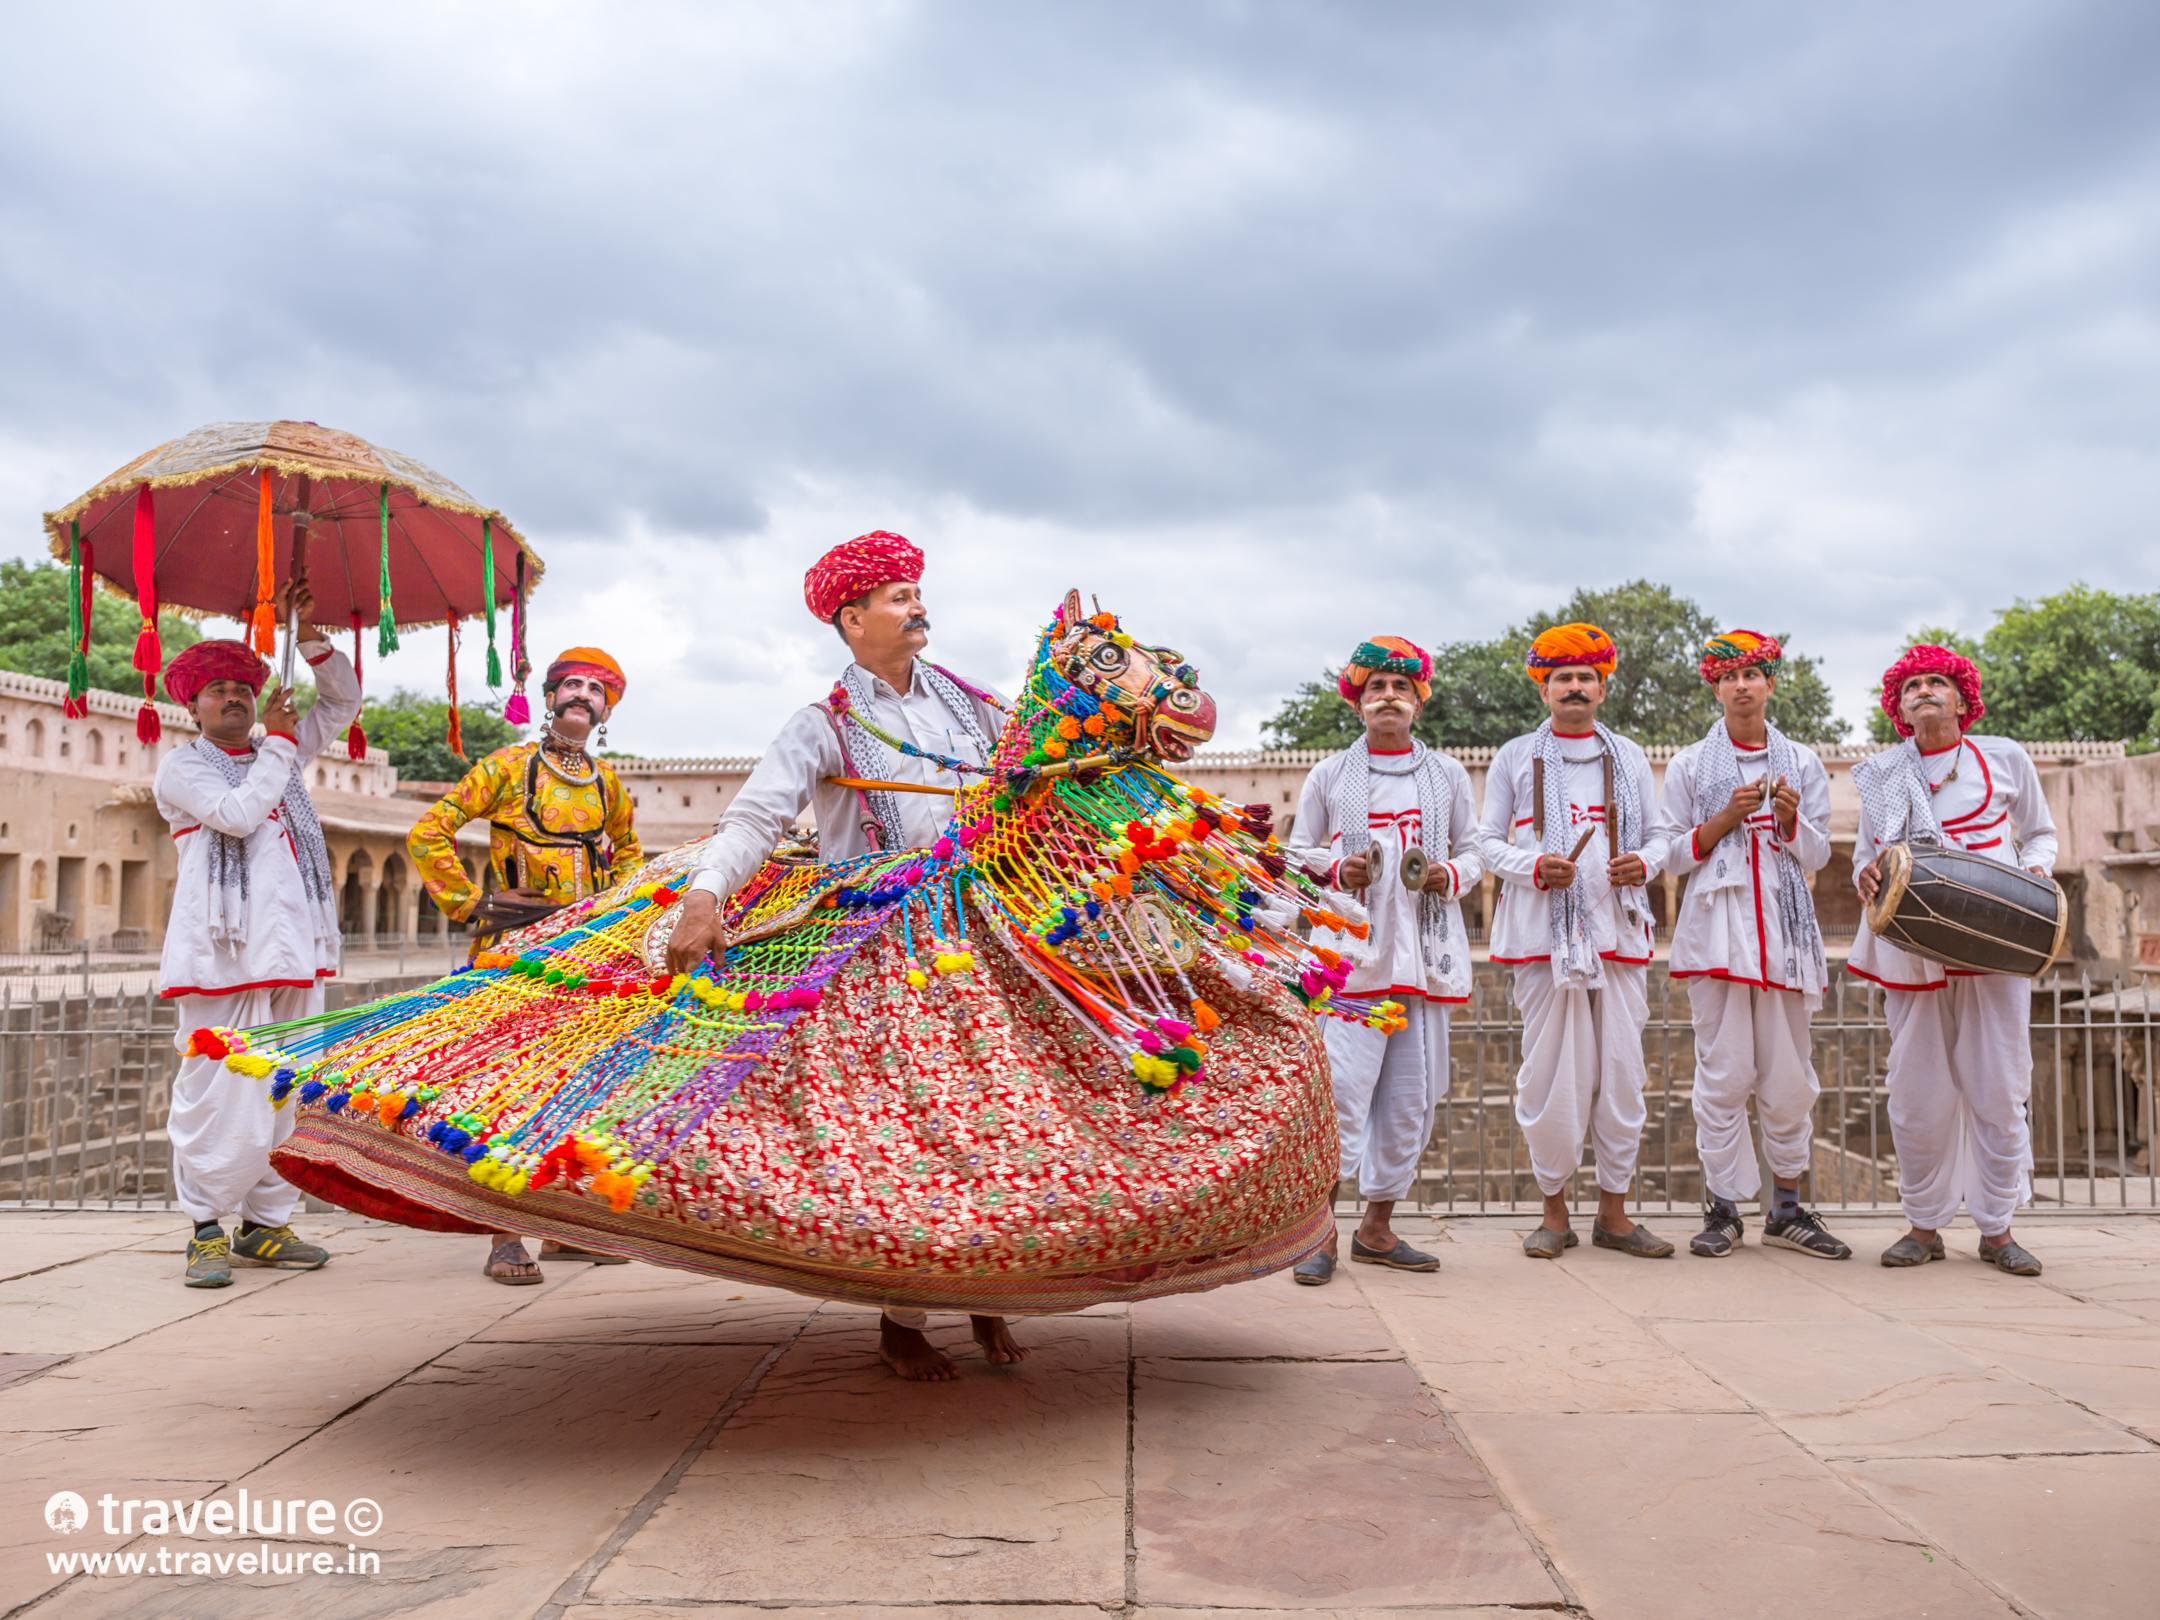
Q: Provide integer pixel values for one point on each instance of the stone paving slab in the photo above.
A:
(1309, 1485)
(838, 1483)
(2075, 1538)
(1274, 1317)
(1858, 1389)
(1497, 1331)
(1672, 1516)
(632, 1441)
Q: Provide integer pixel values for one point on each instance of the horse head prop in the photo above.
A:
(1147, 698)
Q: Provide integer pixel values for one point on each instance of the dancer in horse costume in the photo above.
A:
(1068, 1054)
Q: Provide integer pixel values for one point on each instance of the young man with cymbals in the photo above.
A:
(1747, 813)
(1960, 1053)
(1568, 828)
(1393, 820)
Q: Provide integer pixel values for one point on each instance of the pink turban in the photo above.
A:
(1929, 659)
(209, 661)
(857, 567)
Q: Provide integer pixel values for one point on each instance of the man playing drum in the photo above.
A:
(1960, 1057)
(1748, 814)
(1393, 820)
(1567, 827)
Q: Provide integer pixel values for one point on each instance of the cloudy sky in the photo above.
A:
(1275, 325)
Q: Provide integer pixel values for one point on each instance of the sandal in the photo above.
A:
(511, 1254)
(566, 1251)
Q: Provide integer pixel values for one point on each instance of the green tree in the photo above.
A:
(411, 729)
(2082, 665)
(34, 629)
(1481, 696)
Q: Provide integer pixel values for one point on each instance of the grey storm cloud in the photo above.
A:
(1839, 318)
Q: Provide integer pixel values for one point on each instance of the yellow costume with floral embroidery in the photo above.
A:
(565, 839)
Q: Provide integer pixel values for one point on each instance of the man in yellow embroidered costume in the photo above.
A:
(560, 828)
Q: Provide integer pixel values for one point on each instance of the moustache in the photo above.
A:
(578, 703)
(1575, 697)
(920, 621)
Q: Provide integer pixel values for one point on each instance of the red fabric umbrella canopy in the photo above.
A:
(207, 511)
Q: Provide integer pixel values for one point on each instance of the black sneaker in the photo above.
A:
(1721, 1233)
(1803, 1230)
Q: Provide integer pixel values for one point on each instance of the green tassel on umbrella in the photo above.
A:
(386, 639)
(487, 589)
(78, 666)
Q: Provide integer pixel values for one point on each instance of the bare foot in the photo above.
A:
(912, 1356)
(999, 1348)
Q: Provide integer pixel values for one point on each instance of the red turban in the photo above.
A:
(208, 661)
(1929, 659)
(1566, 644)
(1740, 649)
(1394, 656)
(857, 568)
(593, 664)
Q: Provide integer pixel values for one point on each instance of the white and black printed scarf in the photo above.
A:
(228, 867)
(1893, 788)
(873, 758)
(1351, 806)
(1727, 865)
(1573, 955)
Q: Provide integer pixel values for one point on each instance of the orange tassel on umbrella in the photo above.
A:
(265, 572)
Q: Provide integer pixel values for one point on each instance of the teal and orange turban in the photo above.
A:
(1566, 644)
(1390, 655)
(1740, 649)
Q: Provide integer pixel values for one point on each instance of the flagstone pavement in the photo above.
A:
(1767, 1435)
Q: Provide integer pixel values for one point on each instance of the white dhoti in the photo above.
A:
(1960, 1073)
(222, 1126)
(1582, 1072)
(1751, 1041)
(1386, 1089)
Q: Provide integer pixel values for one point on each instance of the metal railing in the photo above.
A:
(86, 1082)
(2092, 1107)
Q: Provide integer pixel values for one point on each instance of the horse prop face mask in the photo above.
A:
(1171, 716)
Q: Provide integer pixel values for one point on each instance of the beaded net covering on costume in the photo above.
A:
(1069, 1053)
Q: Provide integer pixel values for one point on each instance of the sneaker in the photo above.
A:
(209, 1262)
(1803, 1230)
(277, 1246)
(1721, 1233)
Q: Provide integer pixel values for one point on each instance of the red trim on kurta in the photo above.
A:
(237, 989)
(327, 654)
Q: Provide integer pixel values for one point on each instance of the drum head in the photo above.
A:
(1896, 872)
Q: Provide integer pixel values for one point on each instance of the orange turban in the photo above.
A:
(593, 664)
(1392, 654)
(1566, 644)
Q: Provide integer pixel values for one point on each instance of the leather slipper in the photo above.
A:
(1315, 1270)
(1544, 1243)
(1402, 1257)
(1640, 1241)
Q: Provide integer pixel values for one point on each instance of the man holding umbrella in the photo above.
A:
(560, 827)
(253, 933)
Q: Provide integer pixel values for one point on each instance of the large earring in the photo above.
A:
(603, 734)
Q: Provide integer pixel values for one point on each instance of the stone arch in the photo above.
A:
(94, 746)
(101, 885)
(34, 739)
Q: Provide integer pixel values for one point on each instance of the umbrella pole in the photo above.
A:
(296, 572)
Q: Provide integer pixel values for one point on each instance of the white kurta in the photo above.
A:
(222, 1127)
(1583, 1071)
(1522, 920)
(1729, 925)
(1387, 1086)
(1994, 808)
(1960, 1070)
(283, 947)
(792, 774)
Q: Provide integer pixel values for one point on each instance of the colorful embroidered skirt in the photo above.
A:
(962, 1144)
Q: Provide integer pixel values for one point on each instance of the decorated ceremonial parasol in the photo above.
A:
(210, 523)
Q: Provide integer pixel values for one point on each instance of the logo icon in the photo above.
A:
(67, 1513)
(362, 1516)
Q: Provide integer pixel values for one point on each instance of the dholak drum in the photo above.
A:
(1966, 911)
